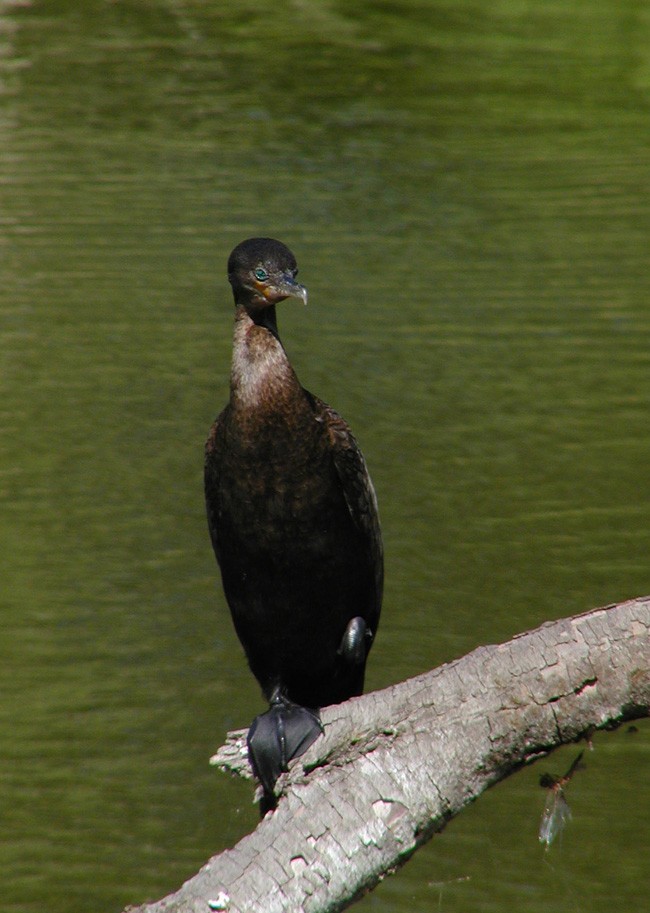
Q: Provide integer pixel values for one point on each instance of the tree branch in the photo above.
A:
(394, 766)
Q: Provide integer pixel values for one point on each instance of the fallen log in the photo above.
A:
(395, 765)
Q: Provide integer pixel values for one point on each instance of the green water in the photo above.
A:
(466, 186)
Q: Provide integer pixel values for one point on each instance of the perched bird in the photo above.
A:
(293, 519)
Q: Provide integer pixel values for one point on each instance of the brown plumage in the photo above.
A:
(293, 521)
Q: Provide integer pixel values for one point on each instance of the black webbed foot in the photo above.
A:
(356, 642)
(284, 732)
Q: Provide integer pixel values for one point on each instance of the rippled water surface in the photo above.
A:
(466, 186)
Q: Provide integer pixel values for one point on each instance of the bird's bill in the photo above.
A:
(285, 287)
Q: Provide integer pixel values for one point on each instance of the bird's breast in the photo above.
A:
(277, 479)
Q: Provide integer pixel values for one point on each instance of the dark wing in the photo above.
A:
(212, 471)
(357, 488)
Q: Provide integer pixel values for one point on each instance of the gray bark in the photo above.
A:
(394, 766)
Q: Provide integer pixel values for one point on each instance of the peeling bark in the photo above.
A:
(394, 766)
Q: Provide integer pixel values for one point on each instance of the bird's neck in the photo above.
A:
(261, 375)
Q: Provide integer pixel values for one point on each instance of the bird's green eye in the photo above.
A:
(261, 274)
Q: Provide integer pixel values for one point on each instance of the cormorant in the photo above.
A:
(293, 519)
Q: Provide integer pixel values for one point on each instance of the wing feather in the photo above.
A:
(212, 472)
(356, 483)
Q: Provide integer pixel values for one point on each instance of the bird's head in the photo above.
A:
(262, 271)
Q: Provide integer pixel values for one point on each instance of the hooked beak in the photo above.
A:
(285, 287)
